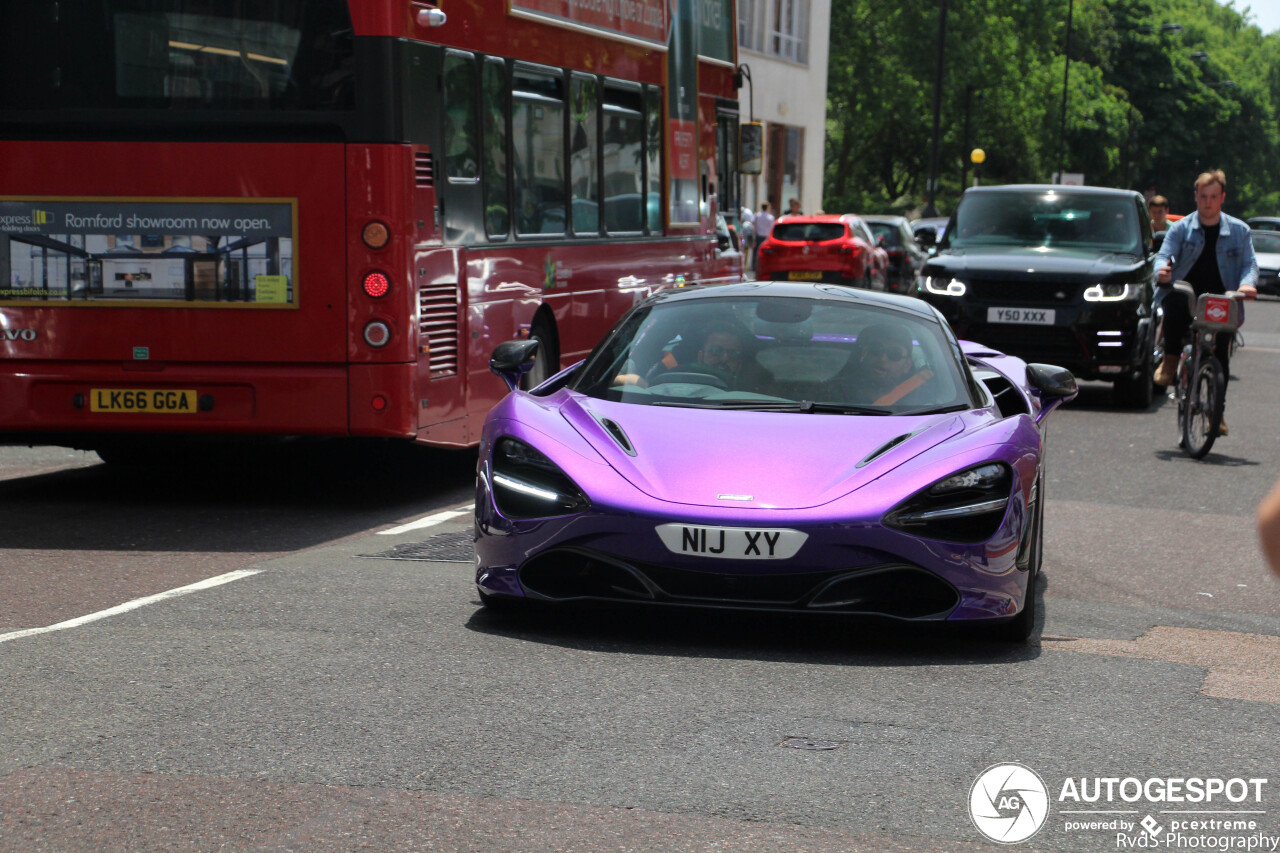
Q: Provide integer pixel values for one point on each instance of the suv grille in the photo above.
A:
(1025, 292)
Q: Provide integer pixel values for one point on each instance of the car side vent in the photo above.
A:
(424, 170)
(885, 448)
(616, 433)
(438, 326)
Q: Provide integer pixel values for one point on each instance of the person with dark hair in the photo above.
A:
(1213, 252)
(721, 351)
(881, 370)
(1158, 210)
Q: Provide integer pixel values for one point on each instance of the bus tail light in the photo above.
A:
(376, 284)
(375, 235)
(379, 403)
(377, 334)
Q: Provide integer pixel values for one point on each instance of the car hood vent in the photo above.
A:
(616, 433)
(886, 447)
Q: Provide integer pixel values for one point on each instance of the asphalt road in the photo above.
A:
(339, 700)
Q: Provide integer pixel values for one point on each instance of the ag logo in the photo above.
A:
(1008, 803)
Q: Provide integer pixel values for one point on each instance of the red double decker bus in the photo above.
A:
(318, 217)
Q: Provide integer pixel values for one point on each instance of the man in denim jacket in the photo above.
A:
(1230, 265)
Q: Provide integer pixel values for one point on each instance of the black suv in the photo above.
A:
(1054, 274)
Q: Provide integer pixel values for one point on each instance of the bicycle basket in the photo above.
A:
(1218, 313)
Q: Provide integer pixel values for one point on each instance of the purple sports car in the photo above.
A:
(772, 446)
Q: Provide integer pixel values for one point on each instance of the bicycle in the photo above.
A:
(1200, 389)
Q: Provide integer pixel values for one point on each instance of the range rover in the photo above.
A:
(1056, 274)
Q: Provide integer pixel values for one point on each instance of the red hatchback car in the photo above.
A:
(831, 248)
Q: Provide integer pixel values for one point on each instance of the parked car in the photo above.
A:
(929, 232)
(825, 247)
(1264, 223)
(1266, 245)
(1062, 274)
(911, 490)
(894, 235)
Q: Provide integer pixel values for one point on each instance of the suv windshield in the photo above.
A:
(1266, 242)
(765, 353)
(176, 54)
(1045, 218)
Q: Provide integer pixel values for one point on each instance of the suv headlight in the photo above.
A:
(1112, 292)
(966, 507)
(944, 285)
(526, 484)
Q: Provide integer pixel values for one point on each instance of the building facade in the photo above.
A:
(785, 43)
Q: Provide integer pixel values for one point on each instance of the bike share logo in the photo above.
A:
(1009, 803)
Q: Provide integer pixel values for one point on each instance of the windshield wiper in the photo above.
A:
(805, 407)
(938, 410)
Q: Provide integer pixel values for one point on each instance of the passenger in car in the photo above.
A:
(882, 370)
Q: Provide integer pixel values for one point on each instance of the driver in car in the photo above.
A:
(719, 356)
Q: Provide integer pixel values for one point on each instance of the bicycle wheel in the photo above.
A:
(1202, 413)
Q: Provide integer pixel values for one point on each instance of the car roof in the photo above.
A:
(885, 218)
(801, 290)
(813, 217)
(1066, 189)
(930, 221)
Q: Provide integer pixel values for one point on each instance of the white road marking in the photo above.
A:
(427, 521)
(208, 583)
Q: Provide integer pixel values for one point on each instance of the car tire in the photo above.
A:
(1020, 628)
(1134, 392)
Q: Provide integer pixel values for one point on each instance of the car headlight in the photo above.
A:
(526, 484)
(944, 285)
(966, 507)
(1112, 292)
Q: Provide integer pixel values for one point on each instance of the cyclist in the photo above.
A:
(1214, 253)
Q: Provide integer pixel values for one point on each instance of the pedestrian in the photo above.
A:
(1213, 252)
(1158, 210)
(1269, 527)
(794, 209)
(747, 232)
(764, 227)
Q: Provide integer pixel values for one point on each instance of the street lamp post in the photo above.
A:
(1066, 73)
(930, 208)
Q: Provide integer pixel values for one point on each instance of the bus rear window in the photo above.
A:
(179, 54)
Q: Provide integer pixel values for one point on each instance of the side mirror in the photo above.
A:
(1056, 386)
(927, 238)
(512, 360)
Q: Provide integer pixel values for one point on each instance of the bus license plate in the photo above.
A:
(1025, 316)
(805, 275)
(732, 543)
(149, 401)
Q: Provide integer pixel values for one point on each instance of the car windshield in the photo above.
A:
(774, 353)
(1046, 219)
(1268, 242)
(808, 232)
(885, 230)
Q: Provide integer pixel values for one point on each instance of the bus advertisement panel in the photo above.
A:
(403, 186)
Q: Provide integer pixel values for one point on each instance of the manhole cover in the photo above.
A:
(810, 743)
(456, 547)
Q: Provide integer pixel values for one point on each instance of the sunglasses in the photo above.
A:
(716, 351)
(891, 353)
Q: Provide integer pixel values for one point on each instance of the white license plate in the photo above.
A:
(1025, 316)
(732, 543)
